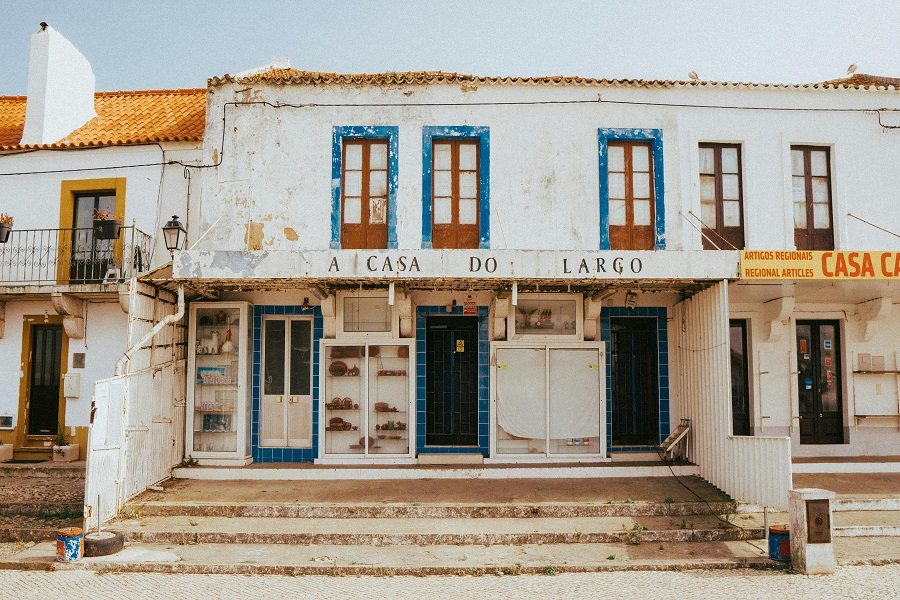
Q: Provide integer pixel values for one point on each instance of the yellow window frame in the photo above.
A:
(68, 189)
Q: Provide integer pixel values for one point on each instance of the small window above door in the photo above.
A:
(547, 316)
(366, 313)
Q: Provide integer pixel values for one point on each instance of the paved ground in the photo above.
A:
(848, 582)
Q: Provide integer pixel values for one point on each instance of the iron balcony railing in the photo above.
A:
(73, 256)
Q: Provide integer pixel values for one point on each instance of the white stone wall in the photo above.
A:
(276, 164)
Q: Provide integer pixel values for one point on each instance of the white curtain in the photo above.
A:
(574, 392)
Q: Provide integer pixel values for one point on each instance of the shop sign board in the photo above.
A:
(819, 264)
(456, 264)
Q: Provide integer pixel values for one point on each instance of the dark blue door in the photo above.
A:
(451, 387)
(634, 383)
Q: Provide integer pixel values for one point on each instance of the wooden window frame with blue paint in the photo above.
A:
(483, 135)
(654, 136)
(390, 133)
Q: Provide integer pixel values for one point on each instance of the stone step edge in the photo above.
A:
(182, 568)
(27, 534)
(364, 510)
(441, 539)
(33, 509)
(880, 531)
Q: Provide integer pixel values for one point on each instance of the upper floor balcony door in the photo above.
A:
(455, 194)
(721, 209)
(91, 256)
(364, 194)
(811, 185)
(631, 196)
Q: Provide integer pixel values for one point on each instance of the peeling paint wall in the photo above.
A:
(544, 180)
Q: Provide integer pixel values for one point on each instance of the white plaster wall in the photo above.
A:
(773, 379)
(33, 199)
(276, 168)
(104, 342)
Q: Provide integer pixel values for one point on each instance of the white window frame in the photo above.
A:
(577, 333)
(392, 333)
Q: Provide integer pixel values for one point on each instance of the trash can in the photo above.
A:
(69, 544)
(779, 543)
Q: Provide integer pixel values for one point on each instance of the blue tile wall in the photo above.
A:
(483, 381)
(284, 454)
(662, 339)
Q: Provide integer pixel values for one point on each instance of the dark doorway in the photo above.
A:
(740, 385)
(634, 382)
(819, 382)
(44, 376)
(451, 387)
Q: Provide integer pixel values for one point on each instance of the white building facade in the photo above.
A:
(534, 270)
(69, 155)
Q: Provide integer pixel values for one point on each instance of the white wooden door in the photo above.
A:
(286, 395)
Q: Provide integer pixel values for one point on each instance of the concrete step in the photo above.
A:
(323, 472)
(868, 523)
(334, 510)
(429, 531)
(546, 559)
(48, 469)
(842, 504)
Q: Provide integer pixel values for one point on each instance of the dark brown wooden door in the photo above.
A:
(455, 197)
(819, 382)
(811, 189)
(451, 385)
(721, 208)
(44, 379)
(740, 376)
(632, 213)
(364, 194)
(635, 382)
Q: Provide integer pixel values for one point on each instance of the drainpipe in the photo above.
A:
(179, 314)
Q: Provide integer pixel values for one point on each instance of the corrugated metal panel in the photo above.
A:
(750, 469)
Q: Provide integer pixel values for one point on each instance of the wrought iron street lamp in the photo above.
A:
(174, 234)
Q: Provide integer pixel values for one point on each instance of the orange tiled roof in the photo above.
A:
(292, 76)
(123, 118)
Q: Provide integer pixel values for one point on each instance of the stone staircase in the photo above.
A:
(462, 527)
(37, 499)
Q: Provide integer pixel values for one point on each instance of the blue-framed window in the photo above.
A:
(341, 133)
(654, 136)
(483, 136)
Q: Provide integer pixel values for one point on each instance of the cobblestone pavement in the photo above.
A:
(849, 582)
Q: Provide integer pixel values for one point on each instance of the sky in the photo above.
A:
(150, 44)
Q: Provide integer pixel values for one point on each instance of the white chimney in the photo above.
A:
(60, 88)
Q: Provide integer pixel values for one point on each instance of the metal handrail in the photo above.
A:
(73, 256)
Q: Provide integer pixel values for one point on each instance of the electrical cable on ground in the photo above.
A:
(668, 463)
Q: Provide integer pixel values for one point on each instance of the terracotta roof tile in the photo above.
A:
(123, 118)
(12, 120)
(292, 76)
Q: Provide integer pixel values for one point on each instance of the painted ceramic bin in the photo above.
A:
(69, 544)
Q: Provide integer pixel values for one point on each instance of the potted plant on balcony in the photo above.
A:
(6, 225)
(63, 451)
(106, 227)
